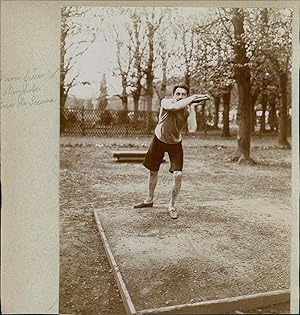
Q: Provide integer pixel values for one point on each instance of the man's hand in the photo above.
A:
(200, 99)
(198, 104)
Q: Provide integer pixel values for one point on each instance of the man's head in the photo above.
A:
(180, 91)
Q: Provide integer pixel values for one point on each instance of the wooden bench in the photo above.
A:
(129, 155)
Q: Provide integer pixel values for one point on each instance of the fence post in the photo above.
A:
(82, 121)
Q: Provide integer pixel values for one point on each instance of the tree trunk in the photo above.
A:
(136, 98)
(187, 78)
(123, 118)
(283, 114)
(253, 99)
(124, 96)
(63, 95)
(63, 119)
(203, 120)
(164, 80)
(135, 103)
(149, 77)
(125, 103)
(272, 113)
(242, 77)
(217, 101)
(137, 65)
(149, 72)
(149, 99)
(263, 114)
(243, 80)
(136, 94)
(226, 106)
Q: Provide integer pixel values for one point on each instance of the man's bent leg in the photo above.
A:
(153, 175)
(177, 178)
(148, 202)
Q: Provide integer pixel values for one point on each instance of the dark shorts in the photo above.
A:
(155, 155)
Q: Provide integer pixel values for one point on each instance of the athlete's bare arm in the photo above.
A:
(170, 104)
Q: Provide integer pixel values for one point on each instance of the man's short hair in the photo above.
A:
(181, 85)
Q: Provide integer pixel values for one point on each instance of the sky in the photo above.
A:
(100, 58)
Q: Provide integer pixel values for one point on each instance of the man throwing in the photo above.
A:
(173, 115)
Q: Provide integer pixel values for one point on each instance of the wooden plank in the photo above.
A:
(227, 305)
(128, 153)
(130, 158)
(130, 309)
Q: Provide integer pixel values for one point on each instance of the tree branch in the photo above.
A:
(228, 33)
(71, 84)
(72, 44)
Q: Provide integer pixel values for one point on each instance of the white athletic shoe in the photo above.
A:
(173, 213)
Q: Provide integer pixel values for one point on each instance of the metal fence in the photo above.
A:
(89, 122)
(115, 123)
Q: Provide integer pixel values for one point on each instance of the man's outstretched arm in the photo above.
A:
(192, 119)
(169, 104)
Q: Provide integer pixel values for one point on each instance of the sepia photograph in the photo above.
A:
(175, 176)
(149, 157)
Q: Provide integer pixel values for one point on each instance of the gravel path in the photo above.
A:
(88, 177)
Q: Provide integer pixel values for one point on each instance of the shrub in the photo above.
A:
(106, 117)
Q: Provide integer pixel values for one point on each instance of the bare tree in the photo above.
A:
(189, 51)
(277, 48)
(102, 99)
(164, 53)
(137, 38)
(130, 54)
(124, 74)
(242, 77)
(153, 21)
(226, 95)
(165, 46)
(72, 47)
(214, 71)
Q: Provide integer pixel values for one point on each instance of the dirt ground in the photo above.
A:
(89, 179)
